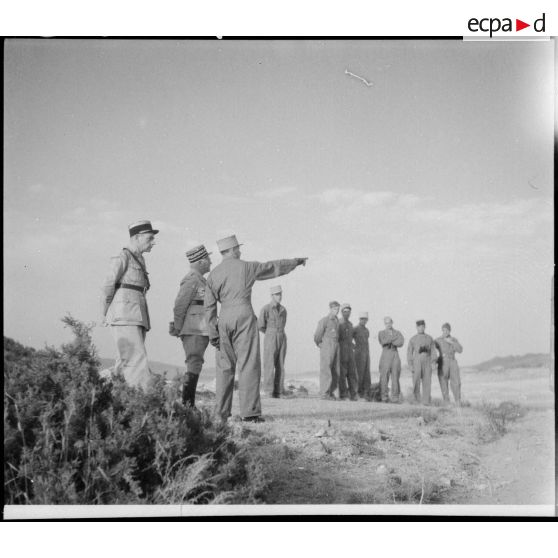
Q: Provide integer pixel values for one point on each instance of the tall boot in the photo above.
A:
(189, 389)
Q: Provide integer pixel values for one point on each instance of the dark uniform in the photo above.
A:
(361, 335)
(347, 368)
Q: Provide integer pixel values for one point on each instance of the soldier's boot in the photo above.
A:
(189, 389)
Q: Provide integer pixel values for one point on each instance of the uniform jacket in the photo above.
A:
(231, 282)
(189, 311)
(361, 334)
(328, 328)
(420, 344)
(125, 306)
(273, 317)
(446, 349)
(390, 338)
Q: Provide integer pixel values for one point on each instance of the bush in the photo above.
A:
(72, 437)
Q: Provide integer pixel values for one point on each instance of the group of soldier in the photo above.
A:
(345, 359)
(234, 332)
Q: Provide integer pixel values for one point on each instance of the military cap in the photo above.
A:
(446, 326)
(346, 305)
(227, 243)
(363, 315)
(198, 253)
(420, 322)
(143, 226)
(333, 303)
(276, 290)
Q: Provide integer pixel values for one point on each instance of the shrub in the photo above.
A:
(72, 437)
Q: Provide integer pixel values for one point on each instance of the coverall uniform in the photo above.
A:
(271, 323)
(347, 368)
(124, 308)
(421, 355)
(230, 283)
(390, 364)
(448, 368)
(326, 338)
(361, 335)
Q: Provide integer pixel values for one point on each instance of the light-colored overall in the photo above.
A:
(448, 369)
(271, 322)
(390, 363)
(421, 355)
(230, 284)
(326, 338)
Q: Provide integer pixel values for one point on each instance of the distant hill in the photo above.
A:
(208, 373)
(530, 360)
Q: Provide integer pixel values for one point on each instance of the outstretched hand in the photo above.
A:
(301, 261)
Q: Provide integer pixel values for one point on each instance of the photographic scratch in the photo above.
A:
(364, 80)
(532, 185)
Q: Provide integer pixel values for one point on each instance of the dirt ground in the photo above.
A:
(325, 452)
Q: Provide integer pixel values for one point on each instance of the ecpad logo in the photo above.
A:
(496, 25)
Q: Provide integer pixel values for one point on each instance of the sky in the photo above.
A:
(426, 195)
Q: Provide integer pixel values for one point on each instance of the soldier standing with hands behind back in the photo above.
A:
(124, 306)
(189, 322)
(272, 321)
(361, 336)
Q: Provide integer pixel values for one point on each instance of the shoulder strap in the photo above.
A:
(145, 274)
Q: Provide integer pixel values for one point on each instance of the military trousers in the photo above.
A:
(347, 373)
(194, 349)
(362, 361)
(448, 371)
(239, 354)
(274, 351)
(329, 366)
(390, 367)
(422, 373)
(131, 358)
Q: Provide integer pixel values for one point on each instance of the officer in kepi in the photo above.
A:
(124, 307)
(234, 330)
(271, 322)
(189, 322)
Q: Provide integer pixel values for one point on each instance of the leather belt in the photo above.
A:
(133, 287)
(197, 302)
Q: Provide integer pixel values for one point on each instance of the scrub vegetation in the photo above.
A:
(72, 437)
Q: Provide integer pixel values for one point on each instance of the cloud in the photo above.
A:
(36, 188)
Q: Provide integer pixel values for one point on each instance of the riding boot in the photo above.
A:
(189, 389)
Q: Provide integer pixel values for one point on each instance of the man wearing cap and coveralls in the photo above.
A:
(390, 365)
(347, 368)
(235, 331)
(422, 357)
(124, 307)
(189, 320)
(271, 323)
(326, 338)
(361, 336)
(448, 369)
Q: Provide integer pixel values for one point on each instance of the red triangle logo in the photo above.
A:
(519, 25)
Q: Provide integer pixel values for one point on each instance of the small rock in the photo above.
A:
(420, 421)
(321, 433)
(381, 470)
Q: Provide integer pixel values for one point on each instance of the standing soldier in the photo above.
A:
(189, 320)
(422, 357)
(390, 365)
(327, 340)
(235, 332)
(271, 323)
(362, 355)
(124, 307)
(347, 368)
(448, 368)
